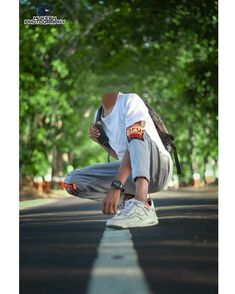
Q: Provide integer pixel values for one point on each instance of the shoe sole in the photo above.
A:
(137, 226)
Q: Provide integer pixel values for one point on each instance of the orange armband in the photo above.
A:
(135, 133)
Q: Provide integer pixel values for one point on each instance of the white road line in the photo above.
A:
(116, 269)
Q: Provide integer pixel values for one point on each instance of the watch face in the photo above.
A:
(117, 184)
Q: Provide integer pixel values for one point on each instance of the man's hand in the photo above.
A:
(110, 202)
(93, 133)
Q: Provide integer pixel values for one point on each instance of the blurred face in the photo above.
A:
(110, 97)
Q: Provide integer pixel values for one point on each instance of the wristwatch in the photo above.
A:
(117, 185)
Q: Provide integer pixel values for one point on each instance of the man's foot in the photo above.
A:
(123, 202)
(133, 214)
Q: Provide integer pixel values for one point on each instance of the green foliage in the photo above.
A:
(166, 51)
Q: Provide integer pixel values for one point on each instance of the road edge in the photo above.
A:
(35, 202)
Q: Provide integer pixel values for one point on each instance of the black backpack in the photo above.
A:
(167, 139)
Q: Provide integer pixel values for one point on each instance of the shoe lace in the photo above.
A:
(127, 206)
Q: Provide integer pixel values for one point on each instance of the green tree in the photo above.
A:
(166, 51)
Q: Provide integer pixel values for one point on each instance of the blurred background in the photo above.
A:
(165, 51)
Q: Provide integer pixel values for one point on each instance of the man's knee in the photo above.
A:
(70, 186)
(71, 189)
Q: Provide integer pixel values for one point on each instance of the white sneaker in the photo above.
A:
(122, 204)
(135, 213)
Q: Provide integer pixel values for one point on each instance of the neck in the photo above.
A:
(108, 102)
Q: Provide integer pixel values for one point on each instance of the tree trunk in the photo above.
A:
(190, 131)
(57, 169)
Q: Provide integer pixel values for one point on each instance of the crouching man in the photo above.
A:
(144, 166)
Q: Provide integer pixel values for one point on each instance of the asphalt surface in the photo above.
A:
(59, 241)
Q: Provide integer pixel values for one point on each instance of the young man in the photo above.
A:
(144, 166)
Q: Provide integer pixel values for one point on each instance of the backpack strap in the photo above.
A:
(100, 127)
(177, 163)
(99, 114)
(167, 139)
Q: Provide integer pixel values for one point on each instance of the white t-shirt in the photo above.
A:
(128, 109)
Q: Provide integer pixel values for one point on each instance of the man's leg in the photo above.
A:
(94, 181)
(150, 168)
(150, 171)
(141, 186)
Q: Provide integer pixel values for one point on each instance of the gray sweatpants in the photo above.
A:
(147, 161)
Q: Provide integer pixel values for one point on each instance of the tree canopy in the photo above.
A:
(166, 51)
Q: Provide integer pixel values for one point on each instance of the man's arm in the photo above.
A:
(125, 168)
(110, 202)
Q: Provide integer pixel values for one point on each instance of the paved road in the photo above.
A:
(59, 241)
